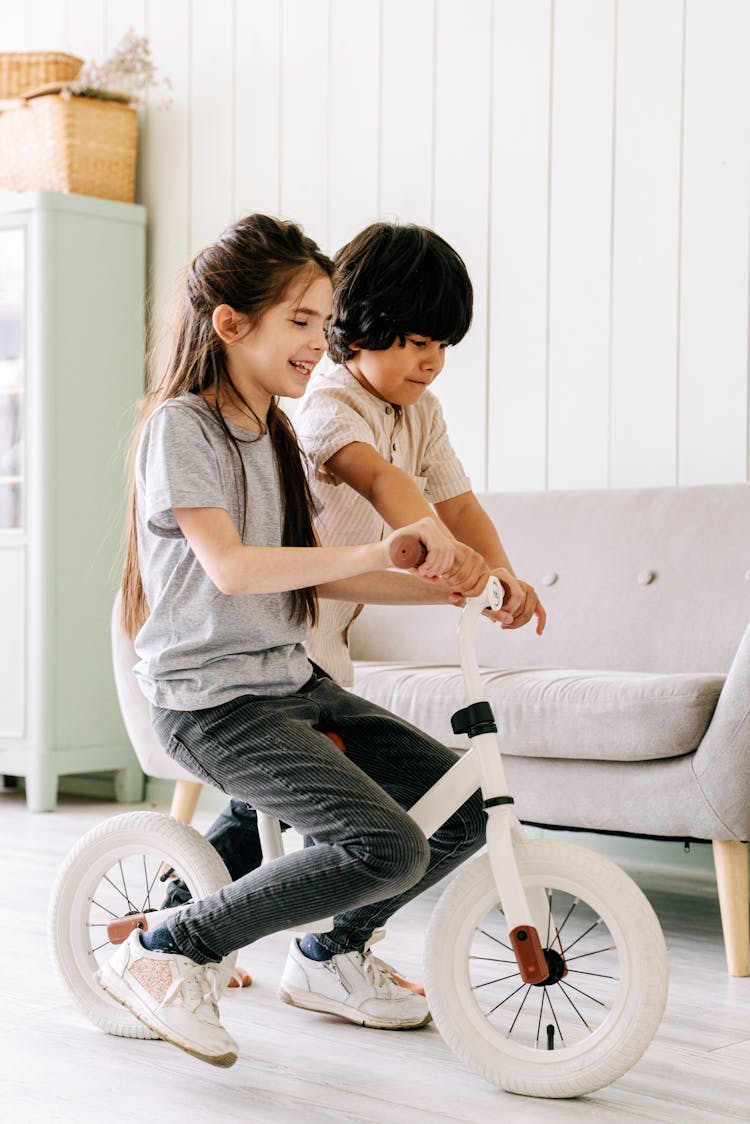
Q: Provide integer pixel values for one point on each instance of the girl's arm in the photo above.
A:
(388, 588)
(235, 568)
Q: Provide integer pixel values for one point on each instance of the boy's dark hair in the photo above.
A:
(394, 280)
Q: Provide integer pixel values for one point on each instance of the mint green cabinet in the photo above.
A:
(72, 274)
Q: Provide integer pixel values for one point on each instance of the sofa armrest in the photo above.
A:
(722, 761)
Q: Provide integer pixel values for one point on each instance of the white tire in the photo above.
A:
(574, 1035)
(113, 871)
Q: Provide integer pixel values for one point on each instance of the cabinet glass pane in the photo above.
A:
(11, 378)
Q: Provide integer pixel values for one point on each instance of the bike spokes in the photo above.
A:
(580, 991)
(126, 890)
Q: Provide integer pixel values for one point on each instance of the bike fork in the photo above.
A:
(525, 912)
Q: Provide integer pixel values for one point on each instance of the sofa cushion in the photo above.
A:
(553, 712)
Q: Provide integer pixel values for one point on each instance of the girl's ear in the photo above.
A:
(356, 346)
(227, 323)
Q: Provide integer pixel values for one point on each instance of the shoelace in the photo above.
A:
(376, 971)
(382, 967)
(379, 980)
(200, 986)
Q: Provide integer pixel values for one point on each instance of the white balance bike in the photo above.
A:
(545, 965)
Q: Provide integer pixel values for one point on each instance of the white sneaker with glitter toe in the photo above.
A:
(173, 996)
(354, 986)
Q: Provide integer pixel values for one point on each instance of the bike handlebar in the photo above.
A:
(408, 551)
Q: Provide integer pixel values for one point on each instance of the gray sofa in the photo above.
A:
(631, 714)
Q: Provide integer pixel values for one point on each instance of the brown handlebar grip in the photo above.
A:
(406, 552)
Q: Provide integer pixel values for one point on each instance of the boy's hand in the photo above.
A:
(469, 574)
(520, 603)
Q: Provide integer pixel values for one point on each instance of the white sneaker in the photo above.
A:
(351, 985)
(173, 996)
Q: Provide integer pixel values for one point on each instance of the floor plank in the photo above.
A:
(56, 1067)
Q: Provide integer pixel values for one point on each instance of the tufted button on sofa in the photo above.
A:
(631, 715)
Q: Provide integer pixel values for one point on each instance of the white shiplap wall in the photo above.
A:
(590, 159)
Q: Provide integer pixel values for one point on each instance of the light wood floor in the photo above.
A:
(305, 1068)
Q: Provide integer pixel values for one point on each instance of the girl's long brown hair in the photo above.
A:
(251, 267)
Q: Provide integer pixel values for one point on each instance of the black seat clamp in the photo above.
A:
(473, 720)
(495, 800)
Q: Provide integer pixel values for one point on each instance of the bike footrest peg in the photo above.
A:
(532, 963)
(120, 929)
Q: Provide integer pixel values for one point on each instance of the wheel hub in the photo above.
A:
(557, 968)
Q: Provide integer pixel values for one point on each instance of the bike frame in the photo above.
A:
(481, 767)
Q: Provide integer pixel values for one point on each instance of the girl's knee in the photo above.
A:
(399, 858)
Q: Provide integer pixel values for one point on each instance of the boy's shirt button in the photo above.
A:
(389, 409)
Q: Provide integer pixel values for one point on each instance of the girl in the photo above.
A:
(218, 589)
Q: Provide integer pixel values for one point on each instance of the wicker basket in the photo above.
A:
(23, 70)
(80, 146)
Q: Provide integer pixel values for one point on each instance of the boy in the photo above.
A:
(371, 431)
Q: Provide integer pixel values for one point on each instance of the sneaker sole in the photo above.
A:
(112, 984)
(310, 1002)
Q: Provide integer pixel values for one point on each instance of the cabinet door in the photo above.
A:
(11, 378)
(12, 641)
(12, 473)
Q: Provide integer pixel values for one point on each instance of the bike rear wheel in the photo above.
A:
(603, 1002)
(112, 874)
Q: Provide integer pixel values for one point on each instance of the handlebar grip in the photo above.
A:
(406, 552)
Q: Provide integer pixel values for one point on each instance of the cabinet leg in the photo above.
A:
(129, 784)
(730, 860)
(185, 800)
(41, 790)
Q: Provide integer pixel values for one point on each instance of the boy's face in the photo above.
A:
(399, 375)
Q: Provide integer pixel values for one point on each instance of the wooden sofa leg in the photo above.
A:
(185, 799)
(730, 860)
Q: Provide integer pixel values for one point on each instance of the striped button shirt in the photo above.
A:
(336, 411)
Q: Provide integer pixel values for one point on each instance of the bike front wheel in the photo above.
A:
(601, 1006)
(118, 872)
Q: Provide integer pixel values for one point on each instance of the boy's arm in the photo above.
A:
(389, 489)
(465, 517)
(398, 500)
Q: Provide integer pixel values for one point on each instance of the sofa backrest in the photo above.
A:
(648, 579)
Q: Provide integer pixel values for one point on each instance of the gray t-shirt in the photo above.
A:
(200, 647)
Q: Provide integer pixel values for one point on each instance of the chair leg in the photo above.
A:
(185, 799)
(730, 860)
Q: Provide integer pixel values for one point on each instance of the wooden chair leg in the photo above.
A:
(185, 799)
(730, 860)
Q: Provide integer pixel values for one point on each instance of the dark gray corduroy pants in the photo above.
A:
(368, 857)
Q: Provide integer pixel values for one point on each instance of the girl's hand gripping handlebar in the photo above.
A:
(407, 552)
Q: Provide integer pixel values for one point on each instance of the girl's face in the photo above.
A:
(277, 356)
